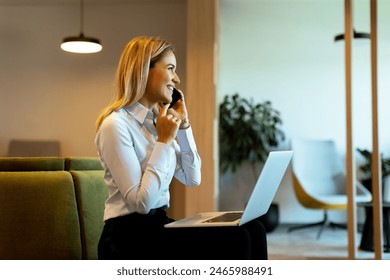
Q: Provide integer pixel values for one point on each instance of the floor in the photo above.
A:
(303, 244)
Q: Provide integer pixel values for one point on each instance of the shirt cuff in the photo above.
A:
(160, 156)
(186, 140)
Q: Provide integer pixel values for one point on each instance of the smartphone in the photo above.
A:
(176, 95)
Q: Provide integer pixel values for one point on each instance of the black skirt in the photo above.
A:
(143, 237)
(134, 236)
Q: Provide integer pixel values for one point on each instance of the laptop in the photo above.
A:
(259, 202)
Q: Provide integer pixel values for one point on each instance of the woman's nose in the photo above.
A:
(176, 79)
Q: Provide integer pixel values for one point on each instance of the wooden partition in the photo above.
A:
(376, 162)
(350, 150)
(202, 21)
(350, 159)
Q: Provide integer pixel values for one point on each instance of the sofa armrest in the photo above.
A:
(91, 193)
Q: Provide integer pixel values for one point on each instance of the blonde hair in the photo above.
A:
(140, 54)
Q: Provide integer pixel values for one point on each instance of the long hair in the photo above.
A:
(138, 56)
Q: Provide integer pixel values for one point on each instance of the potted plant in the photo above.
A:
(248, 131)
(366, 169)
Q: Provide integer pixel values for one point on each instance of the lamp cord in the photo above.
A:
(82, 17)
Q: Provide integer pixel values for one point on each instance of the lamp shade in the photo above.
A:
(81, 44)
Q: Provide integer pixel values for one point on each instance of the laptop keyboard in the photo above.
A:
(226, 217)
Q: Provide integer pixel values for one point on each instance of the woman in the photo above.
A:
(142, 144)
(136, 143)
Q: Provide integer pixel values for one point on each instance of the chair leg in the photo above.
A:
(305, 226)
(324, 223)
(335, 225)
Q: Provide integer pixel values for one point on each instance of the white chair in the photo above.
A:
(319, 179)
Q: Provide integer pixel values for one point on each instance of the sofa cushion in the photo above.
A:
(38, 216)
(31, 164)
(82, 163)
(91, 194)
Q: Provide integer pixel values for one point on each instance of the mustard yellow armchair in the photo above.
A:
(319, 180)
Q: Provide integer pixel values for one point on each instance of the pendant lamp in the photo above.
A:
(356, 35)
(81, 43)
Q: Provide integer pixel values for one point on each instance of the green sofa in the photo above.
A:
(51, 208)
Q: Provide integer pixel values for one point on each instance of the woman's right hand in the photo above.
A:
(167, 125)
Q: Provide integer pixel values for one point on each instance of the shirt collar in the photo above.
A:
(140, 112)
